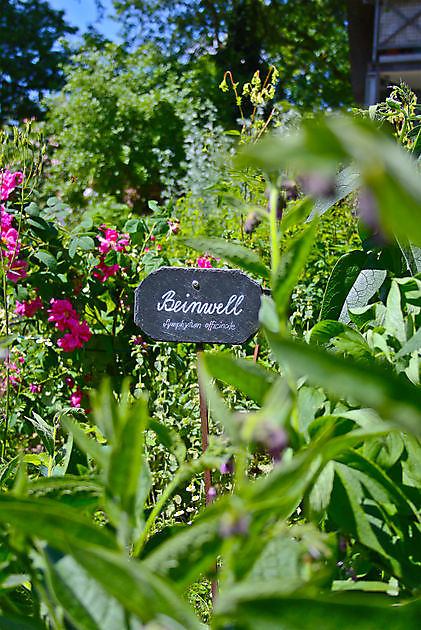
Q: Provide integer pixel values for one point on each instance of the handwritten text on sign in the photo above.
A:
(198, 305)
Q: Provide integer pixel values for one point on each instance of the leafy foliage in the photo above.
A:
(30, 56)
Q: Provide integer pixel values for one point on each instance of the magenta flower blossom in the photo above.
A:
(17, 270)
(105, 271)
(69, 381)
(204, 262)
(9, 181)
(61, 312)
(35, 389)
(76, 398)
(10, 240)
(112, 240)
(28, 309)
(6, 220)
(78, 335)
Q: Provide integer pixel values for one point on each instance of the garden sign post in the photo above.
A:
(198, 306)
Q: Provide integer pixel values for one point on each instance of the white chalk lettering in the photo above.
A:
(171, 305)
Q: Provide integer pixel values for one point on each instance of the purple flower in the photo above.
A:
(227, 467)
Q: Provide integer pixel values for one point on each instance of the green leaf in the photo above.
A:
(268, 606)
(53, 201)
(394, 321)
(44, 430)
(86, 444)
(281, 491)
(323, 331)
(170, 439)
(217, 408)
(291, 267)
(346, 510)
(48, 260)
(414, 343)
(268, 316)
(319, 496)
(236, 255)
(33, 210)
(411, 467)
(341, 281)
(131, 226)
(126, 459)
(73, 247)
(364, 585)
(135, 587)
(393, 396)
(18, 623)
(86, 605)
(74, 490)
(190, 551)
(247, 376)
(86, 243)
(377, 475)
(41, 225)
(60, 525)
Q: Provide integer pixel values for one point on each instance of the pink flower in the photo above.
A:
(6, 220)
(78, 335)
(61, 313)
(159, 247)
(152, 238)
(76, 398)
(112, 240)
(9, 181)
(10, 239)
(20, 308)
(105, 271)
(204, 262)
(69, 381)
(17, 270)
(35, 389)
(28, 308)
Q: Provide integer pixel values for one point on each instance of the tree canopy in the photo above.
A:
(305, 39)
(30, 57)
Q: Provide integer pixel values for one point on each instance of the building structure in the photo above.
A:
(396, 49)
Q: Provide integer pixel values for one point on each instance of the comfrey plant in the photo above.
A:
(324, 514)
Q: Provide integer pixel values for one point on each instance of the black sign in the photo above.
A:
(198, 305)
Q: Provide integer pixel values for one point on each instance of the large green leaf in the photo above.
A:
(251, 379)
(141, 592)
(341, 281)
(235, 254)
(191, 551)
(393, 396)
(291, 267)
(17, 623)
(267, 606)
(86, 444)
(60, 525)
(126, 459)
(85, 603)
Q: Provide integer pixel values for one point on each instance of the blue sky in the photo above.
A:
(82, 13)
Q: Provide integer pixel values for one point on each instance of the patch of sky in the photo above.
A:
(85, 13)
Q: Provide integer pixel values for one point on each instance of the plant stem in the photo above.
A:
(274, 234)
(182, 475)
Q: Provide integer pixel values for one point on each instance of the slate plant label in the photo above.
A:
(198, 305)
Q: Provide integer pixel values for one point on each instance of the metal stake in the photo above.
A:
(204, 423)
